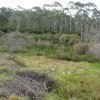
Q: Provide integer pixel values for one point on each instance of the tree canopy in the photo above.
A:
(76, 17)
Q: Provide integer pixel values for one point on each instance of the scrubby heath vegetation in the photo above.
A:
(50, 53)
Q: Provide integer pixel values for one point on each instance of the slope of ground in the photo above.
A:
(74, 80)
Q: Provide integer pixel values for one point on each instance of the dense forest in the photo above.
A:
(76, 17)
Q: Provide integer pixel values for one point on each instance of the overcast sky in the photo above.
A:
(32, 3)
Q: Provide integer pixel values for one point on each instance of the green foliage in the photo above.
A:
(5, 13)
(15, 42)
(52, 96)
(76, 57)
(59, 46)
(42, 36)
(74, 86)
(51, 39)
(16, 97)
(69, 39)
(74, 80)
(42, 50)
(59, 52)
(66, 39)
(26, 30)
(39, 20)
(95, 65)
(5, 75)
(2, 49)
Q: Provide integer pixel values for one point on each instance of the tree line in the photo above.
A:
(76, 17)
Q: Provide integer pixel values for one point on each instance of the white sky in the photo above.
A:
(32, 3)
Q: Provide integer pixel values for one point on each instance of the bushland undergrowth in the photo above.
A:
(76, 71)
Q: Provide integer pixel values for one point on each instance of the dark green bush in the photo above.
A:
(66, 39)
(69, 39)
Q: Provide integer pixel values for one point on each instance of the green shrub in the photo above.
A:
(69, 39)
(15, 97)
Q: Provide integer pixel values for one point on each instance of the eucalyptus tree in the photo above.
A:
(70, 10)
(15, 20)
(5, 13)
(82, 16)
(35, 18)
(96, 18)
(77, 17)
(56, 12)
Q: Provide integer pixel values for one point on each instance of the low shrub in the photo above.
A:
(81, 48)
(95, 50)
(68, 39)
(15, 42)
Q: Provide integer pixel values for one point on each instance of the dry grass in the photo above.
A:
(44, 63)
(7, 60)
